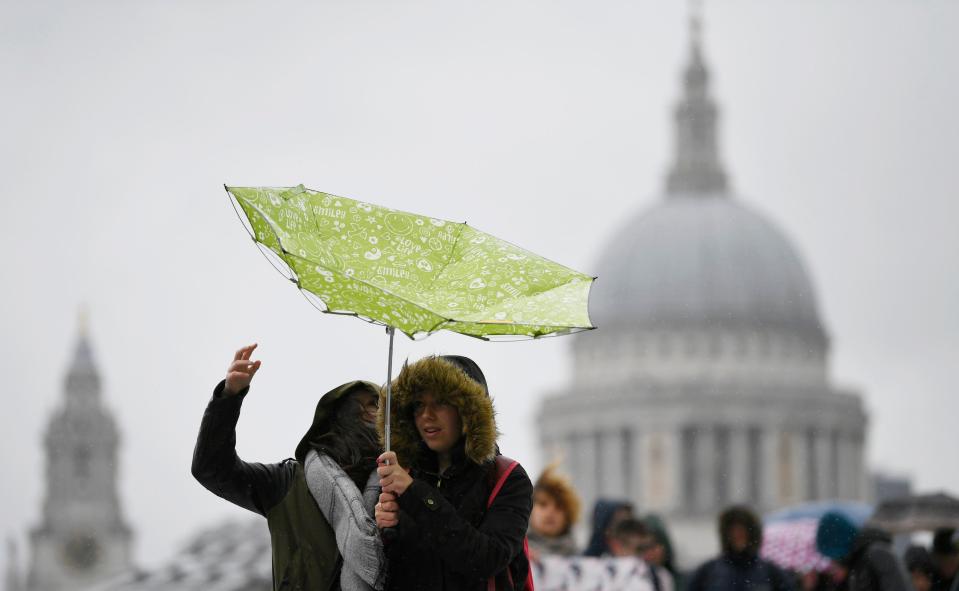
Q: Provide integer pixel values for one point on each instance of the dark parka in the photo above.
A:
(740, 571)
(872, 564)
(446, 538)
(305, 555)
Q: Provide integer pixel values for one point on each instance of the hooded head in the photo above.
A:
(339, 431)
(606, 514)
(740, 532)
(836, 535)
(452, 380)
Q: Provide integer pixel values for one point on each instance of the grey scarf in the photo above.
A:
(351, 516)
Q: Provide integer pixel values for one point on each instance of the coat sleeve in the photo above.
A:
(481, 552)
(254, 486)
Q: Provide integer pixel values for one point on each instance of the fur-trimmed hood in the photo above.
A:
(454, 380)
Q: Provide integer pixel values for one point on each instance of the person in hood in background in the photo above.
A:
(322, 536)
(945, 555)
(437, 482)
(864, 553)
(606, 515)
(739, 567)
(556, 509)
(662, 554)
(922, 570)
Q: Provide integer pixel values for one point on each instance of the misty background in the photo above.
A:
(544, 122)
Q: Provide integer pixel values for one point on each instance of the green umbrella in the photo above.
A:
(410, 272)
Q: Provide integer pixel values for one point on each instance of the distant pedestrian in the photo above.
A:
(556, 509)
(945, 555)
(606, 514)
(864, 553)
(921, 568)
(632, 538)
(739, 566)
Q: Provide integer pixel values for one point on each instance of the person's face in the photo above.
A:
(630, 545)
(620, 514)
(438, 424)
(547, 518)
(368, 403)
(651, 551)
(738, 537)
(920, 582)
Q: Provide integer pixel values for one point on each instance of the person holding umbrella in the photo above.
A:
(322, 537)
(458, 518)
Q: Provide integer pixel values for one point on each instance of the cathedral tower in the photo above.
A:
(82, 537)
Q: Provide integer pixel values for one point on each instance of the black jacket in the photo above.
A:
(251, 485)
(873, 566)
(446, 538)
(305, 554)
(742, 570)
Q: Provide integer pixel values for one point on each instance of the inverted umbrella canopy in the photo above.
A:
(412, 272)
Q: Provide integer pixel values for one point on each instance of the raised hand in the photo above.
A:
(241, 371)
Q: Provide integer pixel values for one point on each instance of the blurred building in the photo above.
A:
(708, 381)
(234, 556)
(82, 537)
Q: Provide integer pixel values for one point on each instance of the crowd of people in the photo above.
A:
(443, 509)
(861, 558)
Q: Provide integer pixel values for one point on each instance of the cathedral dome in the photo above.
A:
(703, 261)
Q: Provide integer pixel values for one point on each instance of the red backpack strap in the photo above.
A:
(504, 467)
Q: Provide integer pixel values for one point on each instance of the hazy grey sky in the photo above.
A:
(546, 122)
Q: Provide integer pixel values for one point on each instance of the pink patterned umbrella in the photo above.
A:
(792, 545)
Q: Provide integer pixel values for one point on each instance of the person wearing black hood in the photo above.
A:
(322, 537)
(438, 480)
(607, 514)
(739, 567)
(864, 553)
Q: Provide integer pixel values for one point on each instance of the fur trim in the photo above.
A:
(450, 384)
(559, 487)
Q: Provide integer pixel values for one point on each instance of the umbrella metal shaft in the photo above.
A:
(389, 379)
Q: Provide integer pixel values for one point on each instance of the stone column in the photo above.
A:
(639, 467)
(705, 459)
(822, 466)
(663, 468)
(738, 481)
(800, 460)
(612, 470)
(848, 472)
(584, 452)
(769, 469)
(859, 473)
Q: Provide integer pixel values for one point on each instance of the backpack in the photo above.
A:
(504, 466)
